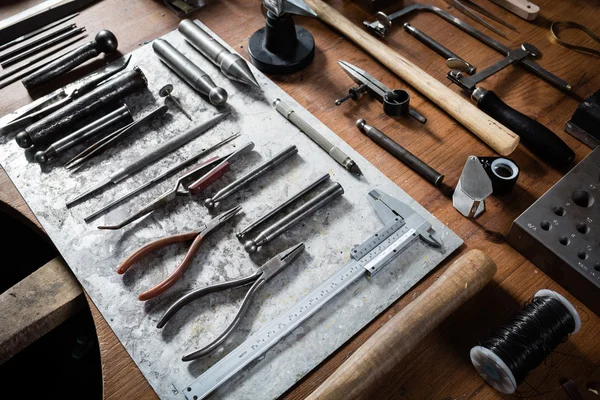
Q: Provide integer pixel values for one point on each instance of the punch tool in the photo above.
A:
(195, 236)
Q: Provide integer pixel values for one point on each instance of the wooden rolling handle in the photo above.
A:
(386, 348)
(495, 135)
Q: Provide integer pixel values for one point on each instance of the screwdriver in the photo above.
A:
(150, 157)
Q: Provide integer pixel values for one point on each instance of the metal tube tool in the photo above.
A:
(189, 72)
(120, 115)
(59, 98)
(291, 219)
(231, 64)
(151, 156)
(262, 275)
(402, 227)
(47, 128)
(412, 161)
(255, 173)
(259, 221)
(105, 42)
(395, 102)
(338, 155)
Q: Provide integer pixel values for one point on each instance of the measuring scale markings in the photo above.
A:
(373, 254)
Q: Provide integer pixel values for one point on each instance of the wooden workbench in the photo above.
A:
(440, 367)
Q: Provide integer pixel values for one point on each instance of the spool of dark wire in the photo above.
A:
(505, 359)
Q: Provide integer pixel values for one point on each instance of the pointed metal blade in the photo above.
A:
(363, 77)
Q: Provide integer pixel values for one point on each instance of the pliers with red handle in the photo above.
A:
(196, 236)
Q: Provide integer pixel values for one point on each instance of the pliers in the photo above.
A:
(196, 236)
(258, 279)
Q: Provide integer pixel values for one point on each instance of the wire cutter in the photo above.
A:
(196, 236)
(258, 279)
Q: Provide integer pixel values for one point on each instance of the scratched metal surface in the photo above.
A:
(329, 235)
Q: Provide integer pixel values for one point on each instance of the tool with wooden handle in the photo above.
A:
(499, 138)
(400, 335)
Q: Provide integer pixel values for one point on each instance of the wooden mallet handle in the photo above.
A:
(494, 134)
(388, 346)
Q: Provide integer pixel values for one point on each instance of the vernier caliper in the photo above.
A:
(402, 226)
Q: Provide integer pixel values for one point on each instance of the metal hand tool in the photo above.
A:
(484, 11)
(43, 29)
(495, 135)
(338, 155)
(22, 71)
(262, 275)
(402, 226)
(216, 167)
(14, 56)
(585, 121)
(438, 48)
(236, 185)
(120, 115)
(412, 161)
(151, 156)
(383, 24)
(291, 219)
(465, 10)
(473, 187)
(196, 237)
(189, 72)
(521, 8)
(160, 177)
(395, 102)
(243, 233)
(282, 47)
(108, 140)
(105, 42)
(59, 98)
(56, 123)
(165, 92)
(540, 140)
(231, 64)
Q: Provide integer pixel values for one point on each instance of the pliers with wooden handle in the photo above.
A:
(196, 236)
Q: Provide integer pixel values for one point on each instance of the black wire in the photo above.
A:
(532, 336)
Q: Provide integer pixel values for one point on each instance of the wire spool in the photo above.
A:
(505, 359)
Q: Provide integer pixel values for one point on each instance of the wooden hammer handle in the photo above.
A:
(386, 348)
(495, 135)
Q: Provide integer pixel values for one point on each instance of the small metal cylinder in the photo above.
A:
(412, 161)
(294, 217)
(250, 176)
(104, 42)
(119, 115)
(115, 89)
(189, 72)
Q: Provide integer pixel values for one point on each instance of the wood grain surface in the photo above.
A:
(439, 367)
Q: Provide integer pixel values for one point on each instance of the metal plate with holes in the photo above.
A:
(560, 232)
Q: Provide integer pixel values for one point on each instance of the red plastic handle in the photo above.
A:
(213, 175)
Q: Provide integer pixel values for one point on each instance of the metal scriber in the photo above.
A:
(36, 32)
(45, 105)
(153, 155)
(216, 167)
(258, 280)
(321, 179)
(196, 237)
(395, 102)
(469, 13)
(294, 217)
(236, 185)
(338, 155)
(160, 177)
(402, 226)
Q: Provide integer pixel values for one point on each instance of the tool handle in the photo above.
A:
(499, 138)
(536, 137)
(212, 176)
(521, 8)
(150, 247)
(285, 110)
(391, 343)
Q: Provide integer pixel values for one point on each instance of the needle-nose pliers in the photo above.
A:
(196, 236)
(258, 279)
